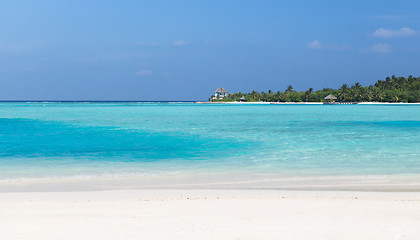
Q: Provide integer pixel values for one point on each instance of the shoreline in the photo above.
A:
(210, 214)
(226, 181)
(306, 103)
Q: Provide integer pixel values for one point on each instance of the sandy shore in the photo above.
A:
(210, 214)
(305, 103)
(221, 181)
(260, 103)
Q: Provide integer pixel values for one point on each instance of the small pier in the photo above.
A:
(331, 100)
(337, 103)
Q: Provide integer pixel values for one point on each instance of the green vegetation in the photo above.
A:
(392, 89)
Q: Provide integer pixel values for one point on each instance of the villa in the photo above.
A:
(220, 93)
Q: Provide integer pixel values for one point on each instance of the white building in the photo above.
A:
(220, 93)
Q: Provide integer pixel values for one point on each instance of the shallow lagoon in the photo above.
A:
(206, 143)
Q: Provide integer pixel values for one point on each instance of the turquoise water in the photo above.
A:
(94, 139)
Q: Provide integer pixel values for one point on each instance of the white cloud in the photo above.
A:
(10, 48)
(381, 48)
(315, 44)
(146, 44)
(139, 44)
(412, 49)
(144, 72)
(389, 33)
(389, 17)
(318, 45)
(179, 43)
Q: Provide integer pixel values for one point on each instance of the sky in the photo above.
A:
(184, 50)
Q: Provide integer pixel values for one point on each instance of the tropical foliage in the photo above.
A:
(392, 89)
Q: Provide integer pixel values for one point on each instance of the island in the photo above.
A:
(391, 90)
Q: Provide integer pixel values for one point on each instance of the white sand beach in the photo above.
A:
(260, 103)
(210, 214)
(307, 103)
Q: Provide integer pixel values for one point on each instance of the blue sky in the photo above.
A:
(184, 50)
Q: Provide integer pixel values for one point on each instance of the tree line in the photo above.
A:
(392, 89)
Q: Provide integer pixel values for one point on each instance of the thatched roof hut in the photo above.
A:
(330, 97)
(220, 93)
(221, 90)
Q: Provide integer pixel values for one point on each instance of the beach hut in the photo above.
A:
(330, 97)
(242, 99)
(220, 93)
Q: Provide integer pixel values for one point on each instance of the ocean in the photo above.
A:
(108, 145)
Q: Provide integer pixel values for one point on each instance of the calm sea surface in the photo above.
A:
(53, 140)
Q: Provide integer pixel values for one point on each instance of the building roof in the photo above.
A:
(242, 98)
(330, 97)
(220, 90)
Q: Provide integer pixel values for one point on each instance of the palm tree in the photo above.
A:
(342, 96)
(307, 93)
(290, 89)
(344, 87)
(310, 90)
